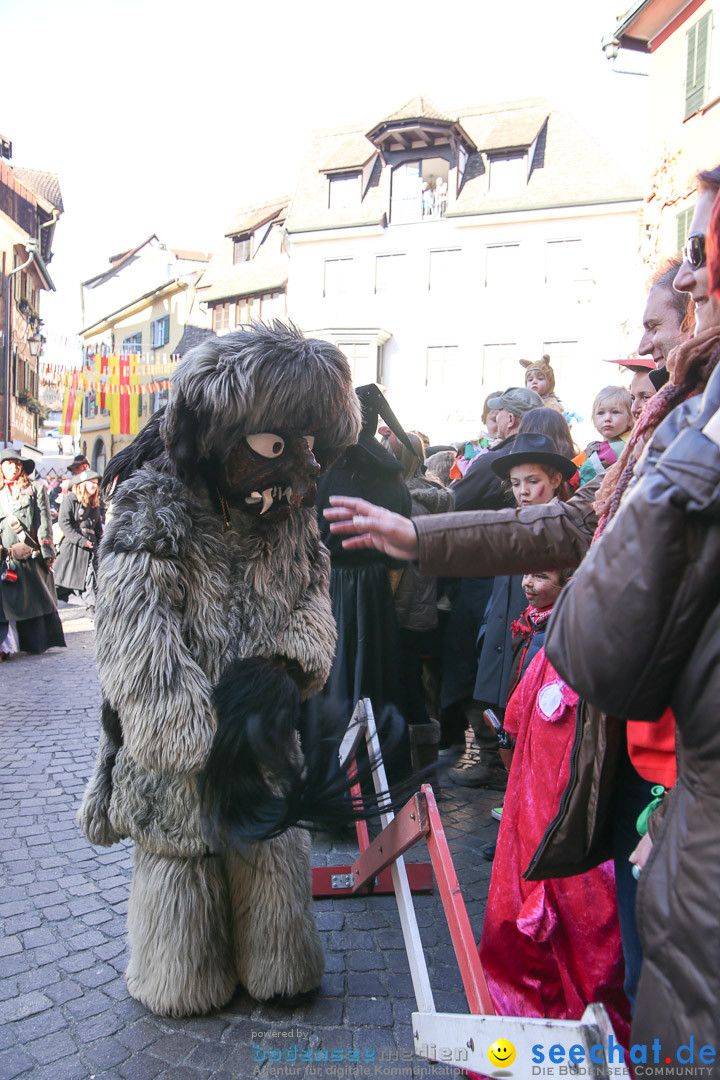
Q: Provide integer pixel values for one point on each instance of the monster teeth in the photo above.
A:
(288, 493)
(254, 497)
(267, 499)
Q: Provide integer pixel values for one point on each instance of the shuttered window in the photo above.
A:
(698, 48)
(683, 226)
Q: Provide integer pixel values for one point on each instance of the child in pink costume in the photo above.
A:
(549, 948)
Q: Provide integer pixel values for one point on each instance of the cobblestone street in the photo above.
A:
(65, 1013)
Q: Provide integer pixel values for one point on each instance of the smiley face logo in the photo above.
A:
(501, 1053)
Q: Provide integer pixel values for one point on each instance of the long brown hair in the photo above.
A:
(84, 497)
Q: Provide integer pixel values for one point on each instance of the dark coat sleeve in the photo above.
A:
(627, 623)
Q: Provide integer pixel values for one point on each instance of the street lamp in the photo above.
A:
(35, 344)
(611, 47)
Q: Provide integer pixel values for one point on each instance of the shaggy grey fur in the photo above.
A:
(179, 598)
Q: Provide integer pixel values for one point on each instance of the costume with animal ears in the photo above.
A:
(213, 620)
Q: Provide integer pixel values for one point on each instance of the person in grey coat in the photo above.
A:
(29, 621)
(81, 523)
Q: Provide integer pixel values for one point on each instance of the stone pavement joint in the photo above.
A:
(65, 1013)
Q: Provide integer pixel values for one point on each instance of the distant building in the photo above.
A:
(247, 277)
(144, 305)
(684, 121)
(437, 249)
(30, 205)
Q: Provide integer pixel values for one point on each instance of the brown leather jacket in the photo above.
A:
(637, 630)
(484, 543)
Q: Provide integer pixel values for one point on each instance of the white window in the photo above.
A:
(501, 368)
(508, 175)
(344, 191)
(442, 366)
(337, 278)
(160, 331)
(242, 249)
(502, 265)
(221, 318)
(362, 358)
(563, 259)
(272, 306)
(132, 345)
(389, 272)
(444, 269)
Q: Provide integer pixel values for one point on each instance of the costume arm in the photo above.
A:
(146, 669)
(626, 624)
(44, 532)
(489, 542)
(310, 636)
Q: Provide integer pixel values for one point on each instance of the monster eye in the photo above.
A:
(266, 444)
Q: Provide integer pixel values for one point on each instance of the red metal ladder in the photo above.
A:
(456, 1039)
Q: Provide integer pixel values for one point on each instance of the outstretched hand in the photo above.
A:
(370, 526)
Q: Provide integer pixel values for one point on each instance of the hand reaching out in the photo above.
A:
(369, 526)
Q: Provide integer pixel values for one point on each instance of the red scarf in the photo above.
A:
(530, 620)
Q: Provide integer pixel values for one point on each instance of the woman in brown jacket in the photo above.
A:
(657, 568)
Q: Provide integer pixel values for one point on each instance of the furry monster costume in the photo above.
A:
(212, 556)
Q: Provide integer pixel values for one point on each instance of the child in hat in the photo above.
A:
(537, 474)
(540, 377)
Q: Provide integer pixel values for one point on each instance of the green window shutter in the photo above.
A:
(683, 227)
(698, 45)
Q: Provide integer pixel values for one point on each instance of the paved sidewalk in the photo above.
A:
(65, 1013)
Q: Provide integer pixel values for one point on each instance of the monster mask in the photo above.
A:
(270, 472)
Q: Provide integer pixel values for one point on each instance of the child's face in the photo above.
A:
(611, 419)
(542, 589)
(535, 380)
(533, 485)
(491, 423)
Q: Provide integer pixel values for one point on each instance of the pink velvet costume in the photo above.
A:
(549, 948)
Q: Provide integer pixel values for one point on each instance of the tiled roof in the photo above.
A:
(417, 108)
(499, 127)
(44, 184)
(267, 271)
(193, 256)
(569, 167)
(353, 151)
(252, 217)
(191, 336)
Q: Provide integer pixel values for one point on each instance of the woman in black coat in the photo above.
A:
(29, 621)
(80, 520)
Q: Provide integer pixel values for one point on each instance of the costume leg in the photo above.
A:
(181, 959)
(277, 945)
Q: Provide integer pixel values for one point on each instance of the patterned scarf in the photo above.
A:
(530, 620)
(693, 363)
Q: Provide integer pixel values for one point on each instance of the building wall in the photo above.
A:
(488, 308)
(679, 148)
(23, 365)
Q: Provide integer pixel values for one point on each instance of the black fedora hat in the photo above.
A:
(532, 447)
(12, 455)
(86, 474)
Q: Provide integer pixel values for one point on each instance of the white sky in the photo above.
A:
(166, 116)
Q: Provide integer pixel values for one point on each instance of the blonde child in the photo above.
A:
(613, 419)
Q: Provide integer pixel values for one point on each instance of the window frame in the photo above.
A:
(154, 325)
(244, 244)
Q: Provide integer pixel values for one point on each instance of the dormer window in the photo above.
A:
(344, 191)
(242, 249)
(419, 190)
(508, 174)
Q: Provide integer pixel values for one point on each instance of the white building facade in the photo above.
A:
(439, 250)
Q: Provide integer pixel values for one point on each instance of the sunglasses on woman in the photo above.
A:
(694, 250)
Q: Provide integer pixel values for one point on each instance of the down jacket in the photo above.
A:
(636, 631)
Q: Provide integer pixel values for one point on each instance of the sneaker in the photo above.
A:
(480, 775)
(496, 813)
